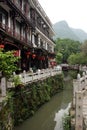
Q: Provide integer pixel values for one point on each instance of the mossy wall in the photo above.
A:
(23, 101)
(6, 113)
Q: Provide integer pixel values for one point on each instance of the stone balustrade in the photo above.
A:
(27, 77)
(79, 84)
(79, 96)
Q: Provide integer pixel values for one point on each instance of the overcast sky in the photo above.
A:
(73, 11)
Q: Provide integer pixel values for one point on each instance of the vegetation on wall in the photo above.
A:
(25, 100)
(66, 122)
(6, 113)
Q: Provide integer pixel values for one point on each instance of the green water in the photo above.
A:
(49, 115)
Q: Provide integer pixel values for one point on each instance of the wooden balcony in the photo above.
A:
(21, 12)
(9, 31)
(6, 29)
(19, 7)
(44, 31)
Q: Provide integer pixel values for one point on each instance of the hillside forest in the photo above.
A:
(71, 52)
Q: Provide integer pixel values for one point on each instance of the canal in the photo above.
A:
(49, 116)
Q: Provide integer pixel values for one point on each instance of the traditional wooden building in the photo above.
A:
(25, 28)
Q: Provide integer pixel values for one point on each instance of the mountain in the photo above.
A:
(80, 33)
(63, 30)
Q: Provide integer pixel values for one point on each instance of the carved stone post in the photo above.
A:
(75, 89)
(24, 74)
(79, 111)
(3, 87)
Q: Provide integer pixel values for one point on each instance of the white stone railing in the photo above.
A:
(79, 84)
(40, 74)
(79, 93)
(26, 78)
(83, 68)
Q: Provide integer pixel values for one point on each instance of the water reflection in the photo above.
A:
(59, 116)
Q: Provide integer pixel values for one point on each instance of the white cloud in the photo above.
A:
(73, 11)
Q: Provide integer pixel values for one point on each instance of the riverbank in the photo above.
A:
(48, 116)
(23, 101)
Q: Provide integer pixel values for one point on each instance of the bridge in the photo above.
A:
(69, 67)
(80, 101)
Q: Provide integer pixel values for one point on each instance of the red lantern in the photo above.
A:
(55, 63)
(28, 53)
(33, 56)
(17, 53)
(2, 46)
(43, 58)
(40, 58)
(52, 63)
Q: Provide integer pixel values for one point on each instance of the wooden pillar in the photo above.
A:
(33, 39)
(38, 40)
(27, 9)
(14, 25)
(26, 31)
(9, 21)
(21, 4)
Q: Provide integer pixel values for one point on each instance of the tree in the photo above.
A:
(84, 47)
(74, 59)
(8, 63)
(78, 58)
(67, 47)
(59, 58)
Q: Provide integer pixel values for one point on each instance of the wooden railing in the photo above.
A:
(11, 32)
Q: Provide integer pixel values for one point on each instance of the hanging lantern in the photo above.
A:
(52, 63)
(28, 53)
(16, 53)
(43, 57)
(33, 56)
(40, 58)
(55, 63)
(1, 46)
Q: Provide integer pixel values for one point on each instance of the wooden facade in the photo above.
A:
(25, 28)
